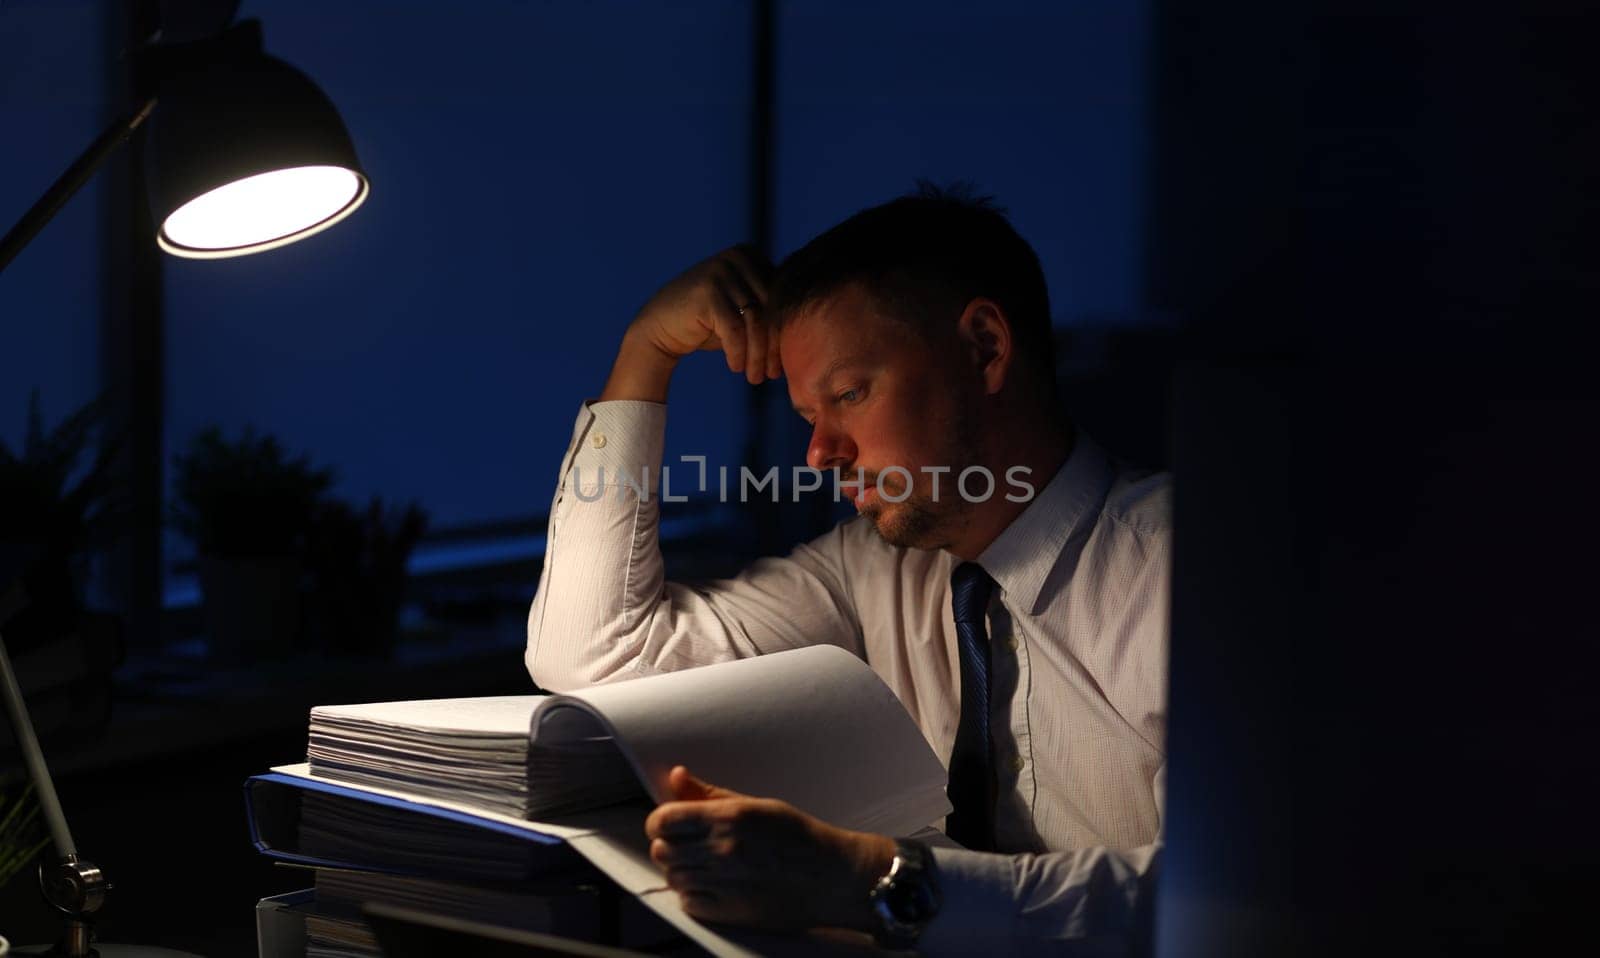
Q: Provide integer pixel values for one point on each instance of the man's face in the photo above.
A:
(879, 394)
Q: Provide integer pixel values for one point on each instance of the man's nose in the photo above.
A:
(830, 448)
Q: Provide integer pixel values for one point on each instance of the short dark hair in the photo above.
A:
(924, 256)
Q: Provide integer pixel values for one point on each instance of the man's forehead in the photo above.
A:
(817, 345)
(845, 321)
(850, 301)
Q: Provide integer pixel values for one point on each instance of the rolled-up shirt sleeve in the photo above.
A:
(604, 611)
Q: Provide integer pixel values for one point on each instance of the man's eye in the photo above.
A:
(849, 395)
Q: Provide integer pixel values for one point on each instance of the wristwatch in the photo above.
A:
(907, 898)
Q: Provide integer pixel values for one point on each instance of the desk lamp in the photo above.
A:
(247, 155)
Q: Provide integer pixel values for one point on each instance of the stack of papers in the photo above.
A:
(814, 727)
(339, 936)
(476, 751)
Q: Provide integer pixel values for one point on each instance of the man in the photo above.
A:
(915, 339)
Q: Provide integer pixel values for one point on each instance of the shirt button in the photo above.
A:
(598, 440)
(1012, 643)
(1017, 764)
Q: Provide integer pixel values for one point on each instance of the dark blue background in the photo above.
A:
(538, 169)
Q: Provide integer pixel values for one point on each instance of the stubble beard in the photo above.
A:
(912, 524)
(919, 521)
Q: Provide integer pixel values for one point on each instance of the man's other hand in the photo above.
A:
(763, 862)
(719, 303)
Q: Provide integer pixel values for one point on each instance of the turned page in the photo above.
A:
(814, 727)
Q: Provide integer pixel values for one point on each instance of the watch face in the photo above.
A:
(910, 902)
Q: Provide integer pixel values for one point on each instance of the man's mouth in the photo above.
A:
(862, 493)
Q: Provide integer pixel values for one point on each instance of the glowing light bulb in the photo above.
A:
(262, 212)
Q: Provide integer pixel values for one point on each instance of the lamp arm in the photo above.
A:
(33, 757)
(70, 182)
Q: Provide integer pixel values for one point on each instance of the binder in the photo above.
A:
(611, 839)
(274, 804)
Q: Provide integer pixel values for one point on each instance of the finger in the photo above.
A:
(748, 330)
(686, 878)
(754, 269)
(732, 902)
(708, 907)
(734, 283)
(757, 339)
(673, 852)
(686, 787)
(730, 331)
(774, 354)
(678, 821)
(747, 320)
(702, 904)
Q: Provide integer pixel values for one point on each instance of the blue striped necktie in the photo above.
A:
(972, 782)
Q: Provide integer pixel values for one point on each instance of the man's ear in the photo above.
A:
(986, 342)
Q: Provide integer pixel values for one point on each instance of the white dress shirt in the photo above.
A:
(1078, 629)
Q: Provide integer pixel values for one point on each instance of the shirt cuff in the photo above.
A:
(979, 891)
(619, 439)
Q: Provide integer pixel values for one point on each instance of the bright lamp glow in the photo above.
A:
(262, 212)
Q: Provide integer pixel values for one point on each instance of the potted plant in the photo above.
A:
(22, 832)
(358, 565)
(52, 505)
(247, 507)
(59, 500)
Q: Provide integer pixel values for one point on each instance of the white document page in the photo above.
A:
(815, 727)
(500, 715)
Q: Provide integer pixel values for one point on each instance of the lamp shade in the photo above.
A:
(246, 153)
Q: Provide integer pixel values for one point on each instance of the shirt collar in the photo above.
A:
(1021, 558)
